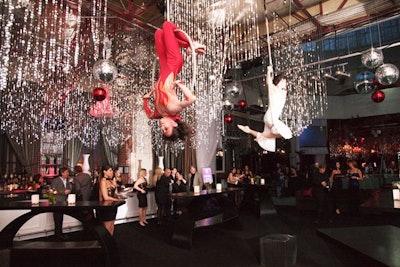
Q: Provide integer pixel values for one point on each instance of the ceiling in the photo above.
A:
(312, 19)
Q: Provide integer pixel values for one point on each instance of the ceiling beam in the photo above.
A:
(342, 4)
(309, 16)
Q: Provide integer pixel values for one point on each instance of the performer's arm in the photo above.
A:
(150, 114)
(189, 96)
(270, 76)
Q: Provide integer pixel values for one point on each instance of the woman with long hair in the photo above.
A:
(156, 176)
(167, 106)
(355, 175)
(141, 188)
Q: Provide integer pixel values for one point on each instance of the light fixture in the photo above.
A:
(342, 72)
(328, 75)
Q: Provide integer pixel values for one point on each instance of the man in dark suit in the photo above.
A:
(63, 187)
(163, 198)
(83, 184)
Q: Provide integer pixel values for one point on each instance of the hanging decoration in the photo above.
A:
(228, 118)
(364, 82)
(387, 74)
(378, 96)
(228, 104)
(372, 58)
(105, 71)
(242, 103)
(233, 89)
(99, 94)
(58, 44)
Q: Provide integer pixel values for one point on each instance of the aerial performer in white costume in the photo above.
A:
(273, 126)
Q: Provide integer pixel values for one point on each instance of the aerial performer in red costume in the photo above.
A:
(167, 106)
(273, 126)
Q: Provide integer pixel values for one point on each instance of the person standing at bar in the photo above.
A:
(194, 179)
(83, 184)
(63, 187)
(163, 198)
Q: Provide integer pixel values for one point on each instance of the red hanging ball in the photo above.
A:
(228, 118)
(378, 96)
(242, 103)
(99, 94)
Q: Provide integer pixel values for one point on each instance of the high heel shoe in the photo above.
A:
(146, 222)
(142, 224)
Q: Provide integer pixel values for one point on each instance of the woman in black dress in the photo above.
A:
(141, 188)
(107, 192)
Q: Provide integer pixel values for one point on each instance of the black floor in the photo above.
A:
(222, 246)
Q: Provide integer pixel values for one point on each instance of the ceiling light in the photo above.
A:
(342, 73)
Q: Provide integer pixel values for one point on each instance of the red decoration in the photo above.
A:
(362, 139)
(228, 118)
(242, 103)
(99, 94)
(378, 96)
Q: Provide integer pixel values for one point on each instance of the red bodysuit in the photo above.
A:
(168, 42)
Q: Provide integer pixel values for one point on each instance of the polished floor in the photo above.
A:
(223, 245)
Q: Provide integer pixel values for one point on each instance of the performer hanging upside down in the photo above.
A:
(273, 126)
(167, 106)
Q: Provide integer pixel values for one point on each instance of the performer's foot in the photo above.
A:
(245, 129)
(198, 48)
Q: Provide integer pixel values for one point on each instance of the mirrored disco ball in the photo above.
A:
(364, 82)
(387, 74)
(233, 89)
(228, 104)
(105, 71)
(372, 58)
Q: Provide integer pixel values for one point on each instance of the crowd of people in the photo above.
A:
(105, 185)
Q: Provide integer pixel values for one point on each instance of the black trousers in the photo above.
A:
(58, 222)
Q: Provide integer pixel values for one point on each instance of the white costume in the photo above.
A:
(273, 126)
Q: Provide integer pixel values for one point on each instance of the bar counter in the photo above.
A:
(75, 210)
(43, 225)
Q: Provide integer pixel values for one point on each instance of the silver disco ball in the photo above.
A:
(364, 82)
(233, 89)
(387, 74)
(372, 58)
(105, 71)
(228, 104)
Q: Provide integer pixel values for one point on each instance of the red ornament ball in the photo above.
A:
(242, 103)
(378, 96)
(228, 118)
(99, 94)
